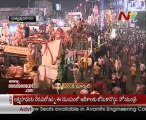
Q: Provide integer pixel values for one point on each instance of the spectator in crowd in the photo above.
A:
(96, 72)
(123, 83)
(84, 92)
(94, 91)
(34, 74)
(75, 71)
(100, 85)
(133, 72)
(141, 68)
(116, 90)
(140, 88)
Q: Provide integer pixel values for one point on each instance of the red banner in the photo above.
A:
(21, 86)
(81, 100)
(70, 54)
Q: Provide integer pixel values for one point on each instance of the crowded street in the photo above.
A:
(94, 45)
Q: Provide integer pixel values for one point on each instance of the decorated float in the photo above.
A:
(24, 53)
(38, 52)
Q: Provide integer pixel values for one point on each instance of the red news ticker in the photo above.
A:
(75, 100)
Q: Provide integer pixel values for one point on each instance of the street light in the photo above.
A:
(96, 1)
(28, 3)
(92, 4)
(80, 4)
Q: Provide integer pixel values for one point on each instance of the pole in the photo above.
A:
(35, 3)
(28, 3)
(95, 2)
(91, 45)
(92, 4)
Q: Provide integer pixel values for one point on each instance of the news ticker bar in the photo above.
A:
(90, 109)
(27, 104)
(22, 18)
(72, 100)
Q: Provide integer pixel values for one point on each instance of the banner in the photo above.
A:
(50, 52)
(21, 86)
(70, 57)
(69, 88)
(16, 50)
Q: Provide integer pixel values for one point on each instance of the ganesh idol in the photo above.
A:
(5, 33)
(57, 35)
(18, 35)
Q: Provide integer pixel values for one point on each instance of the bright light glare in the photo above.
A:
(60, 23)
(12, 28)
(75, 17)
(113, 33)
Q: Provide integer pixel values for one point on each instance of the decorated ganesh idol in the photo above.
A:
(59, 34)
(18, 36)
(63, 36)
(5, 33)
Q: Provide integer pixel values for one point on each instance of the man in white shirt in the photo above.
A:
(100, 61)
(141, 68)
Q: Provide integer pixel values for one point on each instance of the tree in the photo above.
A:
(61, 67)
(141, 20)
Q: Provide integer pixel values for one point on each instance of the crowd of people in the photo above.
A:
(112, 65)
(116, 65)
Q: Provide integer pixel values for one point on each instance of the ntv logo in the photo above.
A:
(129, 16)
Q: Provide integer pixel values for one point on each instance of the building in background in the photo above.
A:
(57, 9)
(6, 12)
(117, 5)
(41, 8)
(137, 5)
(44, 6)
(126, 5)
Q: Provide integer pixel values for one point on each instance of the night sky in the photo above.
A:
(13, 3)
(67, 5)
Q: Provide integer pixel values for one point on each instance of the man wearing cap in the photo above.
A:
(100, 85)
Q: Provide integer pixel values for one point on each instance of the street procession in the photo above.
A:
(96, 43)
